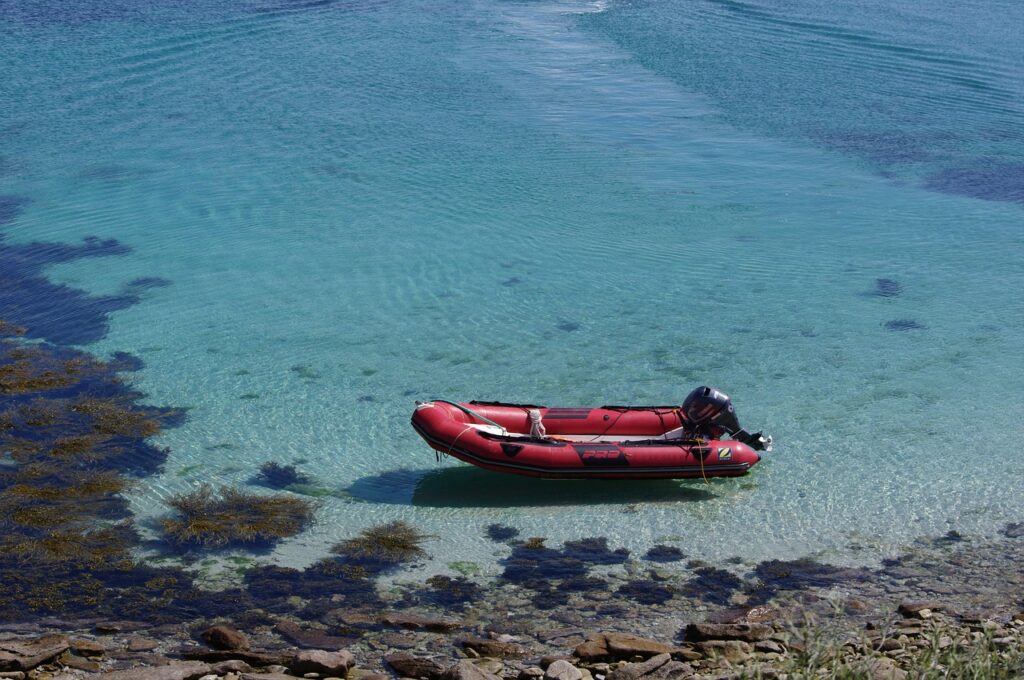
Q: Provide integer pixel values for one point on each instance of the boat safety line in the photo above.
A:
(470, 412)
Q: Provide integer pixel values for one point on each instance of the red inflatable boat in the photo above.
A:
(701, 438)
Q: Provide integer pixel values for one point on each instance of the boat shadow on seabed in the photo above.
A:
(470, 487)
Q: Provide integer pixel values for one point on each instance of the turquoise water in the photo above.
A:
(357, 205)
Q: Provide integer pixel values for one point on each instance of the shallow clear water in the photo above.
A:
(360, 204)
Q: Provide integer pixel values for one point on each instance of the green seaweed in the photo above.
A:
(465, 568)
(389, 543)
(216, 519)
(188, 469)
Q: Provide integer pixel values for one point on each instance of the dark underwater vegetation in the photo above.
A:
(50, 311)
(277, 476)
(390, 543)
(903, 325)
(989, 180)
(209, 518)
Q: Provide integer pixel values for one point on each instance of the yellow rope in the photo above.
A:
(701, 442)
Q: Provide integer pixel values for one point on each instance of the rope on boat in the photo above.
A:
(471, 412)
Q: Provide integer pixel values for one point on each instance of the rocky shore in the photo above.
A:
(947, 609)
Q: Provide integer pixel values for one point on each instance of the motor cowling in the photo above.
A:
(709, 413)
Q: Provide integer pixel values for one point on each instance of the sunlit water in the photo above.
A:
(361, 204)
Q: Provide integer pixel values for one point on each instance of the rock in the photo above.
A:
(562, 670)
(595, 649)
(548, 635)
(733, 651)
(141, 644)
(531, 673)
(224, 637)
(748, 632)
(120, 626)
(769, 647)
(414, 622)
(323, 662)
(919, 609)
(633, 671)
(625, 646)
(78, 663)
(549, 659)
(466, 670)
(260, 659)
(12, 675)
(87, 647)
(24, 655)
(485, 647)
(880, 669)
(889, 645)
(408, 666)
(490, 665)
(687, 654)
(310, 638)
(183, 670)
(266, 676)
(231, 666)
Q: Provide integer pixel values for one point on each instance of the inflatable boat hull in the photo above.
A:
(609, 442)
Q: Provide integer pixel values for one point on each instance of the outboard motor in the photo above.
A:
(710, 414)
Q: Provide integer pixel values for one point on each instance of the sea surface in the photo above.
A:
(311, 214)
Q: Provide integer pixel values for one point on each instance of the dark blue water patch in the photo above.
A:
(568, 326)
(781, 575)
(113, 173)
(881, 148)
(123, 362)
(348, 585)
(535, 567)
(500, 533)
(594, 551)
(43, 13)
(305, 372)
(273, 475)
(712, 585)
(50, 311)
(664, 553)
(987, 180)
(548, 599)
(453, 594)
(299, 6)
(11, 206)
(902, 325)
(645, 591)
(1014, 530)
(147, 282)
(583, 584)
(514, 281)
(887, 288)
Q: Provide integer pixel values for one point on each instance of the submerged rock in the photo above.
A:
(320, 661)
(408, 666)
(224, 637)
(494, 648)
(562, 670)
(24, 655)
(467, 670)
(748, 632)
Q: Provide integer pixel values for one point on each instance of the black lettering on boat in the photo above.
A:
(601, 455)
(567, 414)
